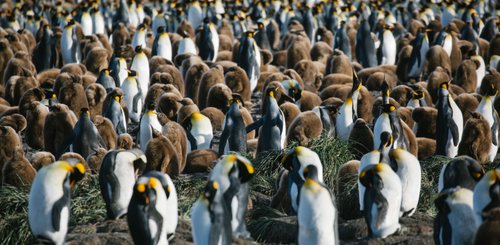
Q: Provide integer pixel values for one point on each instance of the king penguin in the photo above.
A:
(118, 67)
(186, 45)
(481, 69)
(146, 215)
(211, 217)
(116, 115)
(233, 172)
(139, 38)
(486, 194)
(162, 46)
(382, 199)
(50, 198)
(98, 23)
(348, 112)
(487, 109)
(117, 177)
(317, 214)
(407, 167)
(140, 64)
(86, 139)
(199, 131)
(208, 41)
(133, 96)
(461, 171)
(106, 80)
(249, 58)
(386, 53)
(70, 44)
(43, 55)
(194, 13)
(365, 48)
(272, 133)
(86, 23)
(295, 161)
(149, 124)
(417, 58)
(341, 40)
(449, 125)
(389, 121)
(234, 136)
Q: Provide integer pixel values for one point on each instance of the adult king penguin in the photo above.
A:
(348, 112)
(233, 172)
(70, 44)
(208, 41)
(106, 80)
(133, 96)
(117, 177)
(140, 64)
(417, 58)
(389, 121)
(146, 216)
(249, 58)
(199, 132)
(295, 161)
(449, 124)
(382, 199)
(49, 200)
(487, 109)
(407, 167)
(86, 139)
(162, 46)
(365, 48)
(386, 53)
(234, 136)
(487, 194)
(317, 215)
(118, 67)
(210, 217)
(149, 124)
(139, 38)
(272, 125)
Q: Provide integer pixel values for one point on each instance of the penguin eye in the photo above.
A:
(477, 175)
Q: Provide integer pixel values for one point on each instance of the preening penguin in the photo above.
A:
(70, 44)
(199, 131)
(454, 206)
(449, 125)
(249, 58)
(116, 115)
(348, 112)
(462, 171)
(382, 199)
(317, 214)
(407, 167)
(234, 136)
(208, 41)
(488, 111)
(211, 217)
(117, 177)
(133, 96)
(295, 161)
(233, 172)
(149, 124)
(49, 200)
(146, 216)
(140, 64)
(162, 45)
(272, 134)
(389, 121)
(487, 194)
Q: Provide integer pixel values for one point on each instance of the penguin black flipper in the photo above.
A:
(255, 125)
(442, 226)
(60, 204)
(223, 138)
(192, 140)
(158, 219)
(135, 101)
(494, 130)
(108, 182)
(453, 129)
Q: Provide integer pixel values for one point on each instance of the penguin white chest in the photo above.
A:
(201, 223)
(383, 124)
(452, 149)
(344, 121)
(389, 48)
(316, 217)
(141, 65)
(124, 171)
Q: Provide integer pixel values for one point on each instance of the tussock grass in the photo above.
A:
(188, 190)
(430, 176)
(14, 228)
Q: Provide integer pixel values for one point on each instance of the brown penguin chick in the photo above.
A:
(404, 57)
(375, 80)
(20, 64)
(310, 74)
(219, 96)
(247, 119)
(305, 127)
(73, 157)
(64, 79)
(226, 65)
(487, 232)
(280, 58)
(412, 139)
(200, 161)
(16, 121)
(59, 124)
(95, 94)
(15, 43)
(120, 36)
(73, 68)
(16, 86)
(168, 104)
(216, 117)
(5, 55)
(226, 45)
(187, 108)
(437, 56)
(176, 134)
(365, 73)
(321, 52)
(73, 95)
(185, 61)
(405, 115)
(401, 94)
(103, 38)
(177, 79)
(426, 148)
(94, 160)
(438, 76)
(9, 142)
(290, 111)
(18, 171)
(97, 60)
(162, 156)
(425, 122)
(28, 39)
(298, 51)
(466, 75)
(338, 63)
(156, 90)
(467, 103)
(226, 29)
(194, 75)
(475, 138)
(106, 131)
(124, 141)
(346, 191)
(213, 76)
(156, 61)
(185, 28)
(47, 78)
(41, 158)
(237, 80)
(88, 44)
(360, 139)
(266, 59)
(308, 101)
(335, 78)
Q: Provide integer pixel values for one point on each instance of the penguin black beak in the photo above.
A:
(76, 174)
(287, 160)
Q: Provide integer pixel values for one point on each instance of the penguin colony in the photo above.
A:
(134, 91)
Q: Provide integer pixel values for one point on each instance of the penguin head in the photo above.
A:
(106, 71)
(141, 27)
(210, 191)
(370, 176)
(132, 73)
(85, 112)
(236, 101)
(293, 89)
(384, 88)
(151, 107)
(462, 171)
(249, 34)
(76, 171)
(356, 82)
(296, 159)
(260, 25)
(160, 29)
(236, 163)
(145, 190)
(138, 49)
(417, 95)
(71, 22)
(311, 174)
(386, 140)
(492, 90)
(443, 89)
(388, 108)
